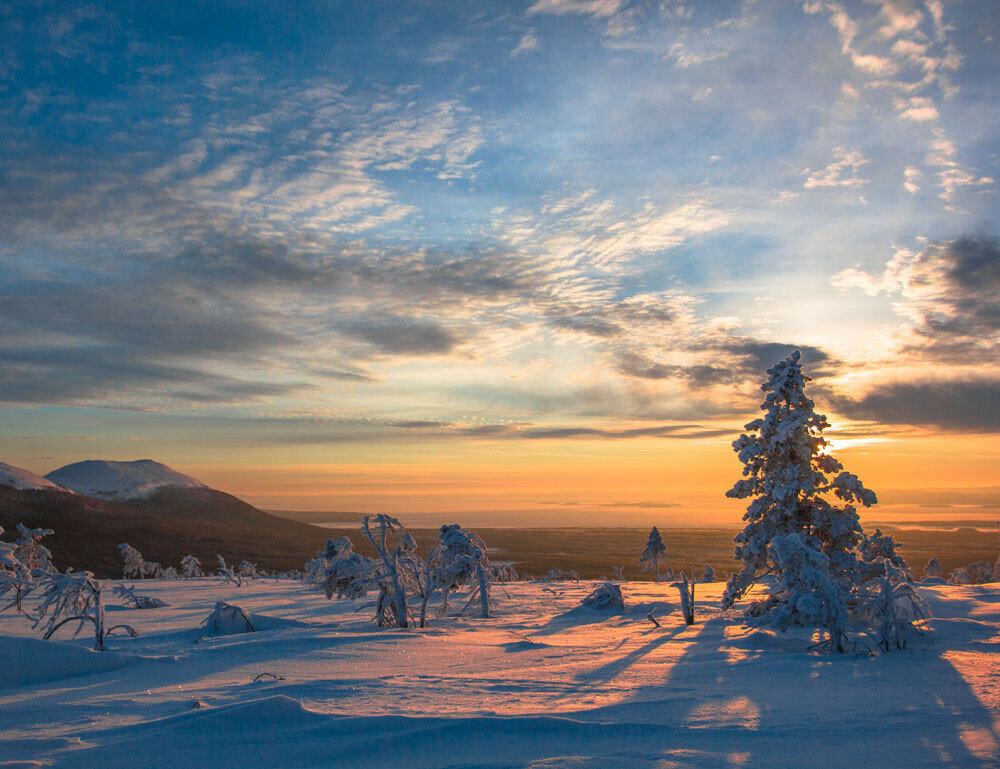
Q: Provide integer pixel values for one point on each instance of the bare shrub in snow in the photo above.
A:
(135, 566)
(793, 530)
(650, 557)
(135, 601)
(687, 597)
(606, 596)
(75, 597)
(933, 569)
(708, 574)
(191, 567)
(893, 605)
(619, 573)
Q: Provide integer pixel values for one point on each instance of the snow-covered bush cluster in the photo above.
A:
(399, 576)
(558, 575)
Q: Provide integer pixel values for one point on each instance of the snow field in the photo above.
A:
(544, 683)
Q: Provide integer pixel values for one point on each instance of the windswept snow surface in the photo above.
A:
(104, 479)
(23, 479)
(545, 683)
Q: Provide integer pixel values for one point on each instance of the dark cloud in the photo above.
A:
(590, 325)
(74, 374)
(746, 360)
(403, 336)
(953, 298)
(966, 405)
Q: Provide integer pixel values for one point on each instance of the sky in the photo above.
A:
(527, 261)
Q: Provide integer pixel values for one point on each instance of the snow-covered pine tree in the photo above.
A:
(75, 597)
(708, 574)
(933, 569)
(191, 567)
(787, 477)
(651, 554)
(135, 567)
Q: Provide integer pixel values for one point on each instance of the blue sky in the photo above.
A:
(319, 224)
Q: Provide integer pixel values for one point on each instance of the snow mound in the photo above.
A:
(25, 480)
(121, 480)
(30, 661)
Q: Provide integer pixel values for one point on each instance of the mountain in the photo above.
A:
(19, 478)
(104, 479)
(163, 513)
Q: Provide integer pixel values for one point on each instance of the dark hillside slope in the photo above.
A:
(164, 527)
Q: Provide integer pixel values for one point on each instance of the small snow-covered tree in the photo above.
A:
(893, 605)
(503, 572)
(169, 573)
(708, 574)
(248, 570)
(977, 573)
(463, 556)
(652, 553)
(29, 550)
(75, 597)
(558, 575)
(191, 567)
(135, 566)
(400, 567)
(788, 476)
(348, 573)
(228, 573)
(154, 569)
(687, 597)
(875, 546)
(806, 594)
(619, 573)
(933, 569)
(15, 577)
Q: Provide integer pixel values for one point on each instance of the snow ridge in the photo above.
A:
(23, 479)
(109, 480)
